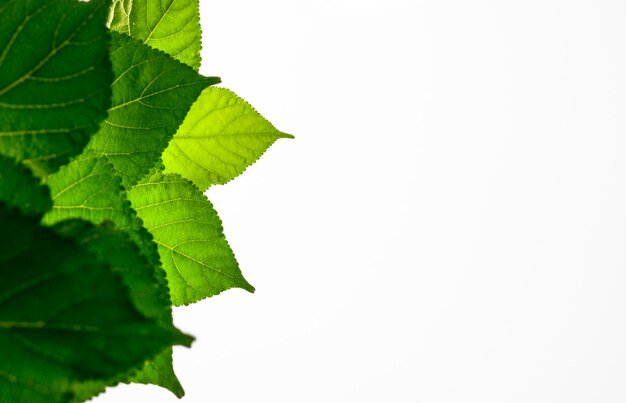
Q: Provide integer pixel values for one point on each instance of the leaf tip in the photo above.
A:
(214, 80)
(183, 339)
(249, 287)
(179, 392)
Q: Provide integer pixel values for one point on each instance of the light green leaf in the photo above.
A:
(119, 15)
(89, 188)
(55, 76)
(20, 189)
(152, 93)
(65, 315)
(172, 26)
(194, 253)
(221, 136)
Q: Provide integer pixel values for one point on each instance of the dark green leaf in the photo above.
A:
(55, 78)
(20, 189)
(65, 315)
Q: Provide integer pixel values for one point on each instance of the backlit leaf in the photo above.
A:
(195, 255)
(172, 26)
(220, 137)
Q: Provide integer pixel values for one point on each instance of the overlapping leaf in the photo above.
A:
(20, 189)
(194, 253)
(89, 188)
(65, 315)
(172, 26)
(152, 93)
(220, 137)
(154, 372)
(145, 291)
(83, 306)
(55, 78)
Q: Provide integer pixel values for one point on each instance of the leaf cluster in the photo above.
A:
(108, 138)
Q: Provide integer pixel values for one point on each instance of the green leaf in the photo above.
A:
(137, 274)
(156, 371)
(152, 93)
(55, 78)
(221, 136)
(20, 189)
(172, 26)
(147, 293)
(89, 188)
(160, 371)
(194, 253)
(65, 314)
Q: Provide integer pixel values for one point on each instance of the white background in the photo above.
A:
(449, 224)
